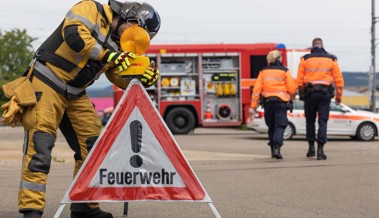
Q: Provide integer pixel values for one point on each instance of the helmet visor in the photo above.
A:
(150, 21)
(146, 16)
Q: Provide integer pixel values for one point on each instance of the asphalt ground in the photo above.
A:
(236, 170)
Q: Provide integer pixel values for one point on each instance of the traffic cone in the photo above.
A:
(208, 113)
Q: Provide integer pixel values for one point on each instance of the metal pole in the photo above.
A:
(125, 212)
(373, 89)
(214, 210)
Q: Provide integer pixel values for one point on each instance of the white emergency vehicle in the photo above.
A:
(343, 121)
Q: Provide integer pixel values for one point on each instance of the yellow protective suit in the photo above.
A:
(66, 63)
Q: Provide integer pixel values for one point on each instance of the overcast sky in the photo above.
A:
(344, 25)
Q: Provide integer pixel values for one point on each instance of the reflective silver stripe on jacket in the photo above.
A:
(112, 44)
(45, 72)
(284, 94)
(96, 51)
(93, 28)
(71, 16)
(273, 79)
(317, 70)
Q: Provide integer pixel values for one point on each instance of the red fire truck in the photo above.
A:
(206, 85)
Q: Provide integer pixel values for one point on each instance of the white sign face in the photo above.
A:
(151, 168)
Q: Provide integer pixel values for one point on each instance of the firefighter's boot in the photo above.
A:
(82, 210)
(320, 152)
(311, 150)
(32, 214)
(276, 152)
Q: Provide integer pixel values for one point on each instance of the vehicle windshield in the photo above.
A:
(334, 107)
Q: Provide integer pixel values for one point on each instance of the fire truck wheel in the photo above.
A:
(180, 120)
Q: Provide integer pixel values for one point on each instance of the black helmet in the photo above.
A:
(142, 13)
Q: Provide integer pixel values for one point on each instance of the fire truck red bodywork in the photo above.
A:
(250, 58)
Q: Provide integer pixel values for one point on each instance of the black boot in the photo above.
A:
(93, 214)
(272, 151)
(83, 210)
(320, 152)
(311, 150)
(276, 152)
(32, 214)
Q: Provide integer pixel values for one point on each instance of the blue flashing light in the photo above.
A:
(280, 46)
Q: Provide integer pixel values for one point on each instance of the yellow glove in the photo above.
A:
(119, 59)
(11, 112)
(150, 76)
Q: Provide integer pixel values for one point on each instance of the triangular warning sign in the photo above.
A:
(136, 158)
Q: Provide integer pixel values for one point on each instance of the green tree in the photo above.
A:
(16, 52)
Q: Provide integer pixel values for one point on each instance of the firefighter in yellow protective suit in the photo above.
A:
(277, 88)
(78, 51)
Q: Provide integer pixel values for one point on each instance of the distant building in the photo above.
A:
(357, 83)
(355, 100)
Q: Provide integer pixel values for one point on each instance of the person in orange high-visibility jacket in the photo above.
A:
(277, 87)
(319, 78)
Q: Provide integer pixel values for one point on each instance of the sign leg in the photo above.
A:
(125, 213)
(59, 211)
(214, 210)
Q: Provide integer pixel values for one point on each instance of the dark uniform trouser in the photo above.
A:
(276, 120)
(80, 125)
(317, 104)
